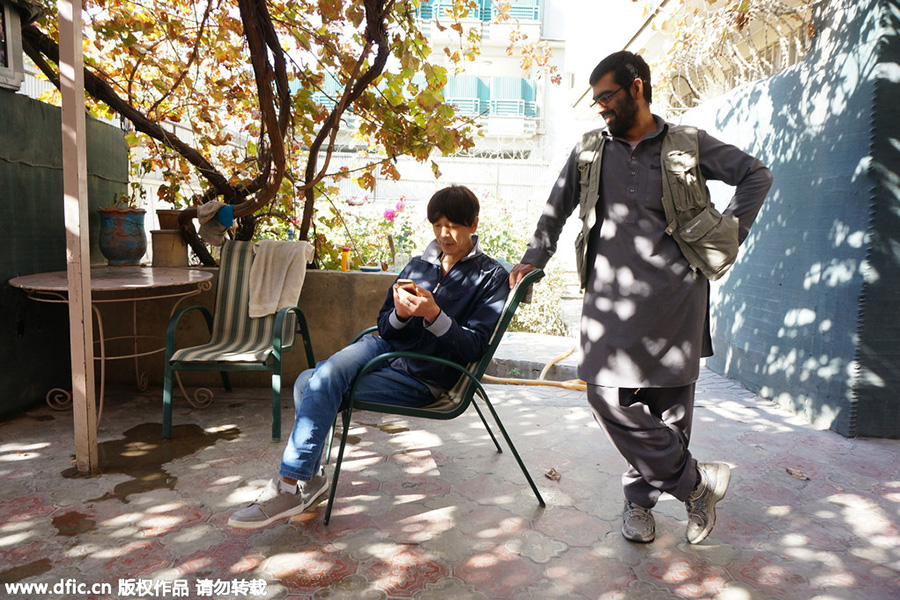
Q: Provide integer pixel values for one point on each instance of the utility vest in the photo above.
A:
(707, 238)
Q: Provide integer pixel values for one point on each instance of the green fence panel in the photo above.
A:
(34, 337)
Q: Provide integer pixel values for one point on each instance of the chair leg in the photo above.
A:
(327, 456)
(515, 452)
(337, 465)
(167, 402)
(226, 380)
(486, 426)
(276, 404)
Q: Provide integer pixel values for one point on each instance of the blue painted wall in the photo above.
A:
(876, 390)
(809, 315)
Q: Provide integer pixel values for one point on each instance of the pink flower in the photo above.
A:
(401, 204)
(389, 215)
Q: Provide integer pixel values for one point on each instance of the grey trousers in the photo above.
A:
(651, 428)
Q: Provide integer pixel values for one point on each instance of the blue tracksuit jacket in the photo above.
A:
(471, 297)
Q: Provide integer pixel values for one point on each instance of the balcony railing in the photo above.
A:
(467, 106)
(522, 10)
(513, 108)
(469, 95)
(324, 100)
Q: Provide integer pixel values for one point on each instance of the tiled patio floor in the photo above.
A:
(428, 510)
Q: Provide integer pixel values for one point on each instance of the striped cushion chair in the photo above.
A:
(237, 341)
(453, 402)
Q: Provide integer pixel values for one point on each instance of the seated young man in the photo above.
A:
(451, 312)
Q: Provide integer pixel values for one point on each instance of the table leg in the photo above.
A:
(102, 363)
(141, 377)
(59, 399)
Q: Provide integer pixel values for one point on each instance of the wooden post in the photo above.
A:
(78, 257)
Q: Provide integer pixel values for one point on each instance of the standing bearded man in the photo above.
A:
(645, 320)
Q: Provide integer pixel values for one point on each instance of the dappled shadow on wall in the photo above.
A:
(786, 318)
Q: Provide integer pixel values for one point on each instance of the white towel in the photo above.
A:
(211, 231)
(277, 274)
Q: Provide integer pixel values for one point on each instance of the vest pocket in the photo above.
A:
(714, 238)
(678, 161)
(682, 167)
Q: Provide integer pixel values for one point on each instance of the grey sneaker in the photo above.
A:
(274, 504)
(638, 524)
(701, 504)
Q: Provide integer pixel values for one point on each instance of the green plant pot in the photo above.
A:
(122, 238)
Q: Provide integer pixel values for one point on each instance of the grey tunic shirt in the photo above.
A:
(645, 316)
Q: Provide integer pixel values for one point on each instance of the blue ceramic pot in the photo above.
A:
(122, 238)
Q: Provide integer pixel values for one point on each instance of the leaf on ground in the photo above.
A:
(553, 475)
(797, 473)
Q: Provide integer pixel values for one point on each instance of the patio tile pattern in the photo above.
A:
(429, 510)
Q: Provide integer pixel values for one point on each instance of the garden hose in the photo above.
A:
(571, 384)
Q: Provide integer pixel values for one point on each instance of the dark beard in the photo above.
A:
(625, 117)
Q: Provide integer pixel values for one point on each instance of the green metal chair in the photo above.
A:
(452, 403)
(237, 341)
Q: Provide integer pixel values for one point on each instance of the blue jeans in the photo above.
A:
(318, 394)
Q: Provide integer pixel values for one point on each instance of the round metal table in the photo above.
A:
(111, 285)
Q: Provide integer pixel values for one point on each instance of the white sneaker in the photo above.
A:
(274, 504)
(638, 524)
(701, 505)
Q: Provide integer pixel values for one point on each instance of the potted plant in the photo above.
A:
(170, 195)
(168, 218)
(169, 246)
(122, 238)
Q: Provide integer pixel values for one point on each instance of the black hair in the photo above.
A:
(457, 203)
(626, 67)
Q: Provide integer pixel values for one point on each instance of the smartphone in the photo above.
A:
(407, 284)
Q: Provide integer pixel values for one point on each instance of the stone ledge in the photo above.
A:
(524, 356)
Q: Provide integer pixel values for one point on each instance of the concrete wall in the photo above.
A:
(34, 350)
(808, 316)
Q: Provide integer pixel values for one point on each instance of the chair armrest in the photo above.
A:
(414, 355)
(278, 327)
(302, 329)
(526, 283)
(365, 331)
(176, 318)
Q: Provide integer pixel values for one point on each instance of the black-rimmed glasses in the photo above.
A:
(604, 98)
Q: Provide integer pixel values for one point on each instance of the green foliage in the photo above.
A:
(502, 233)
(272, 226)
(367, 228)
(364, 225)
(543, 314)
(133, 200)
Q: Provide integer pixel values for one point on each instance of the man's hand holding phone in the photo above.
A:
(407, 284)
(410, 300)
